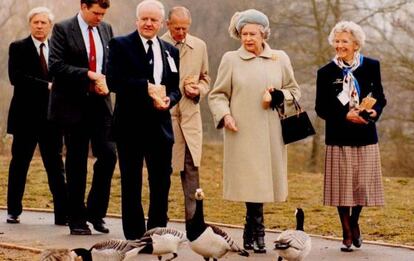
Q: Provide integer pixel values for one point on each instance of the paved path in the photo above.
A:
(36, 230)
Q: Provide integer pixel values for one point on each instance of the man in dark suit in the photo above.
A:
(27, 119)
(80, 103)
(143, 71)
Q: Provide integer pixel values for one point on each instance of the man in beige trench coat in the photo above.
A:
(186, 116)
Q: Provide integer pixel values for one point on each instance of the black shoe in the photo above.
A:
(247, 237)
(346, 245)
(80, 230)
(346, 248)
(13, 219)
(259, 246)
(247, 244)
(357, 242)
(356, 235)
(99, 225)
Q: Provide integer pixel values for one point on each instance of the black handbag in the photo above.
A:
(297, 126)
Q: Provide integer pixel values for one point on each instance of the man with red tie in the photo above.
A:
(27, 120)
(80, 103)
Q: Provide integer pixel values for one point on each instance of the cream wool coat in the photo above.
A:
(255, 160)
(186, 116)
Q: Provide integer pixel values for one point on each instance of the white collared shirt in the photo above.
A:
(37, 43)
(98, 43)
(156, 49)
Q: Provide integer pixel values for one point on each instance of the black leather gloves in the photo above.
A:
(277, 98)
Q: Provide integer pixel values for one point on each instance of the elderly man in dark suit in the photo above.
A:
(81, 105)
(143, 71)
(27, 119)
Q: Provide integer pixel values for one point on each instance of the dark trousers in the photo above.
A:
(49, 139)
(77, 138)
(190, 182)
(157, 155)
(255, 219)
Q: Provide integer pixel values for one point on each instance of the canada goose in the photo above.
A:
(113, 249)
(294, 245)
(160, 241)
(207, 240)
(59, 254)
(108, 250)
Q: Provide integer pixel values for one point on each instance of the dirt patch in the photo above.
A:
(7, 254)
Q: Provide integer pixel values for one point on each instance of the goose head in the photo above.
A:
(199, 194)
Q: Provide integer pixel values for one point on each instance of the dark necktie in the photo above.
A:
(43, 64)
(150, 59)
(92, 57)
(179, 46)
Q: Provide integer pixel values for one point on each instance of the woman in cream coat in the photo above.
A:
(255, 161)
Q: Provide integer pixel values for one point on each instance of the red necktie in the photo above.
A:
(43, 64)
(92, 57)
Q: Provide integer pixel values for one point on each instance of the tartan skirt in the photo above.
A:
(353, 176)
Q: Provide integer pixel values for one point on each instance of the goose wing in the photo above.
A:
(57, 254)
(161, 231)
(233, 246)
(116, 245)
(292, 238)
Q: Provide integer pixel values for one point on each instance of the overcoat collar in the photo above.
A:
(246, 55)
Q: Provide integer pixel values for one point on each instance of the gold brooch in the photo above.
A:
(274, 57)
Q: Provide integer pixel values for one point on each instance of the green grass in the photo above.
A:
(392, 223)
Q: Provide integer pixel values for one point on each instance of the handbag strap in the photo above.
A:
(298, 108)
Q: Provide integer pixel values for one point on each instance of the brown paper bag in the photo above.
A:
(157, 94)
(367, 103)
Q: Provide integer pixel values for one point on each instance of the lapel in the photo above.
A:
(188, 44)
(77, 38)
(32, 55)
(164, 53)
(137, 50)
(32, 49)
(103, 34)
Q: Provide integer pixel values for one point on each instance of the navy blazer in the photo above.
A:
(338, 130)
(28, 107)
(127, 75)
(68, 65)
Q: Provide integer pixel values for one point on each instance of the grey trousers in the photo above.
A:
(190, 182)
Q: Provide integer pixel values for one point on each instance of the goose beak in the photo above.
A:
(199, 195)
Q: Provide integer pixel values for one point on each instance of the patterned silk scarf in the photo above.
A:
(350, 84)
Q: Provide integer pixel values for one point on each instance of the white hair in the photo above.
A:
(154, 2)
(349, 27)
(40, 10)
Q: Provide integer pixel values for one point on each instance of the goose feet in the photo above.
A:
(172, 258)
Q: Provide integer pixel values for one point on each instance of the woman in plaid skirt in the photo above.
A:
(350, 98)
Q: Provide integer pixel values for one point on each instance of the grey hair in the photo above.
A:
(349, 27)
(180, 11)
(40, 10)
(154, 2)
